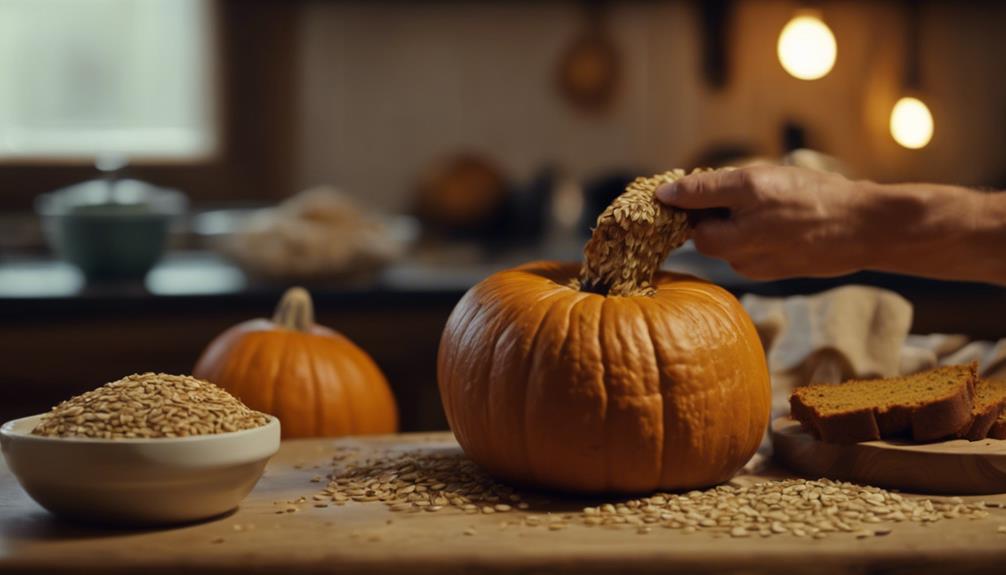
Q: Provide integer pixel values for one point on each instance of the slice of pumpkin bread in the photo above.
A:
(927, 406)
(990, 400)
(998, 429)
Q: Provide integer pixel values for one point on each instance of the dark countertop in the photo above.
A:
(44, 283)
(40, 284)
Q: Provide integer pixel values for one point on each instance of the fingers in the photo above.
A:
(729, 189)
(723, 239)
(719, 238)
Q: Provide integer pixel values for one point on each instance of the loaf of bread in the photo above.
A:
(928, 406)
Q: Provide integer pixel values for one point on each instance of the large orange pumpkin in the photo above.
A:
(316, 381)
(549, 384)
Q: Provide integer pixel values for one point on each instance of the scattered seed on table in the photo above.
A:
(413, 481)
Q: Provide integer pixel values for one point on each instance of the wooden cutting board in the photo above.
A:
(958, 467)
(368, 538)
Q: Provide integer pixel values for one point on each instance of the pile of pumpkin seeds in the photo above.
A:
(414, 482)
(149, 405)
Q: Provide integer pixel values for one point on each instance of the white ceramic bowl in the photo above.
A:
(138, 481)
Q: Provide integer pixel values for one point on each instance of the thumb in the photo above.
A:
(717, 189)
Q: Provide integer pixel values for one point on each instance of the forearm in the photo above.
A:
(935, 231)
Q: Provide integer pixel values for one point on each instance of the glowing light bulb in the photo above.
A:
(911, 123)
(807, 48)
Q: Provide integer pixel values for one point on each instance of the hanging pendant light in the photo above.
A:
(807, 49)
(911, 121)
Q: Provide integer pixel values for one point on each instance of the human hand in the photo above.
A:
(782, 222)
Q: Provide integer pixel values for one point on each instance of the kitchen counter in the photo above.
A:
(367, 538)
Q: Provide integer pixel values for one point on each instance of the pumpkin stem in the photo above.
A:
(295, 310)
(632, 239)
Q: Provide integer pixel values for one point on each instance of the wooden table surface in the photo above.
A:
(367, 538)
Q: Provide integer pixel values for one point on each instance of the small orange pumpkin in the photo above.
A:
(315, 380)
(547, 382)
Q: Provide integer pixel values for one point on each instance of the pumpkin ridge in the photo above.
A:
(632, 406)
(478, 320)
(746, 438)
(351, 387)
(549, 319)
(536, 332)
(602, 375)
(764, 394)
(495, 328)
(573, 342)
(666, 385)
(462, 331)
(235, 371)
(731, 314)
(277, 380)
(337, 419)
(254, 348)
(319, 405)
(727, 312)
(230, 370)
(660, 377)
(753, 343)
(451, 342)
(215, 371)
(457, 321)
(605, 400)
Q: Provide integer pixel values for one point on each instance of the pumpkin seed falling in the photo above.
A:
(415, 482)
(632, 238)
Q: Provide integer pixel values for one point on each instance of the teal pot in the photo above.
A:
(111, 230)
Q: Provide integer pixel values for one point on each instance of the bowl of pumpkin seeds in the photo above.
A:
(147, 449)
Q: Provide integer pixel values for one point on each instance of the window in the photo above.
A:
(86, 78)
